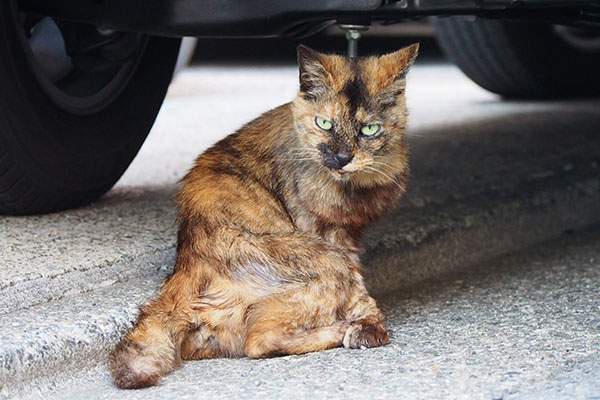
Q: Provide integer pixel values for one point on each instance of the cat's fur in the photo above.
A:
(269, 220)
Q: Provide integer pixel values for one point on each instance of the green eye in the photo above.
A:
(370, 130)
(323, 123)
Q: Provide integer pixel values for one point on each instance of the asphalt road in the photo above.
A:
(488, 270)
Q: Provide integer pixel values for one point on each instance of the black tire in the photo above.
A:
(516, 59)
(52, 159)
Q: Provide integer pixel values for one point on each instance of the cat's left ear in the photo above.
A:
(313, 75)
(396, 64)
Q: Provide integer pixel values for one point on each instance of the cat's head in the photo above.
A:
(350, 113)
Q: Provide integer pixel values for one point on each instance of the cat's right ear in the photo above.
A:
(313, 74)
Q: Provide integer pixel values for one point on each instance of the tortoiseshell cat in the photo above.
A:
(270, 217)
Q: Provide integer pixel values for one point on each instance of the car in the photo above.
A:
(81, 81)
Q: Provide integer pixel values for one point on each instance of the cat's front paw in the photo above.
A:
(363, 335)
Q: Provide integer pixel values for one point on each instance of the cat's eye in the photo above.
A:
(323, 123)
(370, 130)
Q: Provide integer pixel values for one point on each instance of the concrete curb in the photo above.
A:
(41, 344)
(128, 233)
(35, 292)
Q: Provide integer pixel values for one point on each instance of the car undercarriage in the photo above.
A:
(234, 18)
(83, 80)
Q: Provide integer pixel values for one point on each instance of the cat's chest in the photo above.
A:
(318, 207)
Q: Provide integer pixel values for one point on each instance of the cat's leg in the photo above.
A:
(201, 343)
(148, 351)
(321, 291)
(151, 348)
(367, 327)
(285, 323)
(297, 321)
(280, 342)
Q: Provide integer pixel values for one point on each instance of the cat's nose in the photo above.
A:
(343, 158)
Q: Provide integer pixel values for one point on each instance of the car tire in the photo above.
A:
(53, 158)
(522, 60)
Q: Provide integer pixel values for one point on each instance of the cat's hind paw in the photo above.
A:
(365, 335)
(131, 370)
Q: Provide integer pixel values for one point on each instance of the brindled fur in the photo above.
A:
(267, 249)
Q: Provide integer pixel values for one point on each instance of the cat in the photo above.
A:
(269, 223)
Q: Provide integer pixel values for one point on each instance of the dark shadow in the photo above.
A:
(486, 186)
(282, 51)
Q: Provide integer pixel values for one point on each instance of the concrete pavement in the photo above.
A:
(525, 325)
(489, 178)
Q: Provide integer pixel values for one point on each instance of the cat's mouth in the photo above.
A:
(340, 174)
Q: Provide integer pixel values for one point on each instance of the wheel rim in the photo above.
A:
(81, 69)
(586, 40)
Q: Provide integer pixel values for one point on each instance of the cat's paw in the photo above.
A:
(365, 335)
(132, 370)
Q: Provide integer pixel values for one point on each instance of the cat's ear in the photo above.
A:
(391, 71)
(396, 64)
(313, 75)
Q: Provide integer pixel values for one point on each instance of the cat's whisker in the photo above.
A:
(304, 149)
(391, 169)
(295, 155)
(375, 156)
(300, 152)
(384, 165)
(381, 163)
(391, 178)
(380, 156)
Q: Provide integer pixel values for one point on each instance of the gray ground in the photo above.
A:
(524, 325)
(486, 294)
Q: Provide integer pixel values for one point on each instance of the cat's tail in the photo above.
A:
(148, 352)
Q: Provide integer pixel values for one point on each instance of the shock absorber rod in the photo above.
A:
(353, 34)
